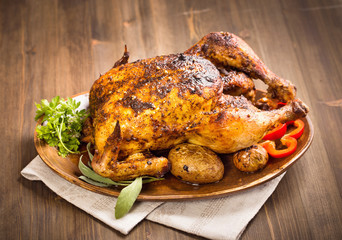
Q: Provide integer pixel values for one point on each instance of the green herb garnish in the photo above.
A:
(127, 196)
(61, 124)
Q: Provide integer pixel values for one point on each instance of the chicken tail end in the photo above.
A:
(123, 59)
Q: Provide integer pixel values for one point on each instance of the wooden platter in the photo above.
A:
(172, 188)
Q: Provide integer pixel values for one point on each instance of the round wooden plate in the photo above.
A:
(172, 188)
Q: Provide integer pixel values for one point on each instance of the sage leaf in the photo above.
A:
(89, 153)
(148, 179)
(91, 156)
(127, 197)
(92, 182)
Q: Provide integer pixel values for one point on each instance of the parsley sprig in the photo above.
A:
(61, 124)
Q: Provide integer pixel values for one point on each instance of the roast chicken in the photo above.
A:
(203, 96)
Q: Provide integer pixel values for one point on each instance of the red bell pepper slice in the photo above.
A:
(296, 133)
(280, 104)
(276, 133)
(289, 142)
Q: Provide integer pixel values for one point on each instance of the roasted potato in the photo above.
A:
(251, 159)
(195, 164)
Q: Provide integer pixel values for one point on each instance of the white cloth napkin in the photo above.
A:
(219, 218)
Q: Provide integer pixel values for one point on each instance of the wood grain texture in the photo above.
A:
(50, 48)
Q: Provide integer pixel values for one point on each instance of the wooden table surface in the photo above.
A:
(51, 48)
